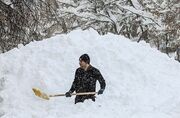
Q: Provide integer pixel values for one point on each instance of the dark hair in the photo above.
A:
(85, 58)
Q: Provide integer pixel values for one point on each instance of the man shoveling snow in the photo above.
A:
(85, 80)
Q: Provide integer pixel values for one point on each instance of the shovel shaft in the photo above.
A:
(85, 93)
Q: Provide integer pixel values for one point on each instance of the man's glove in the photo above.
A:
(100, 91)
(68, 94)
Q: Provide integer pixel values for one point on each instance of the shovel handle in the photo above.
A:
(85, 93)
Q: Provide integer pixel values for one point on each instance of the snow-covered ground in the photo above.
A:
(141, 81)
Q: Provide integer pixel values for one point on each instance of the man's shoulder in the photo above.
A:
(94, 69)
(79, 69)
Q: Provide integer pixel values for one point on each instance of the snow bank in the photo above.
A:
(141, 82)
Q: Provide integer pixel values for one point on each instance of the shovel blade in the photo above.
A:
(40, 94)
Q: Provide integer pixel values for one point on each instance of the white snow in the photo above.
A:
(141, 81)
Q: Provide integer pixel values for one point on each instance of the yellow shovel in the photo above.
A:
(45, 96)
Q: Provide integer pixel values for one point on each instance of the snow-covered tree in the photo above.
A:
(22, 21)
(167, 13)
(155, 21)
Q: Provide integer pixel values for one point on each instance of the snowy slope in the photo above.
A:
(141, 82)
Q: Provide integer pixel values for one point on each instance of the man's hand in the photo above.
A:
(68, 94)
(100, 91)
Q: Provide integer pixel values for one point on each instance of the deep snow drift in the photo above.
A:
(141, 81)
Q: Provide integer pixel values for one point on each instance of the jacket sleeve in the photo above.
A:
(100, 79)
(74, 84)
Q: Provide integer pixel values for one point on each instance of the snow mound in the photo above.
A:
(141, 81)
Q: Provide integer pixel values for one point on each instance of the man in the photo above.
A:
(85, 80)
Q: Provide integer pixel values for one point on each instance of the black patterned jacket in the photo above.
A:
(85, 81)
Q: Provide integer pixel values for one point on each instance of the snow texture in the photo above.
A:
(141, 81)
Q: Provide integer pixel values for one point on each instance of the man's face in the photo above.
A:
(82, 64)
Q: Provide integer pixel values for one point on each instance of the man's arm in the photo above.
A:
(101, 80)
(73, 87)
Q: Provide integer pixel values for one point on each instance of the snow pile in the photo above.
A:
(141, 82)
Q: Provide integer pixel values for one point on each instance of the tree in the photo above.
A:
(23, 21)
(155, 21)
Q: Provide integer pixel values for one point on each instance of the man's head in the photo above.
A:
(84, 60)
